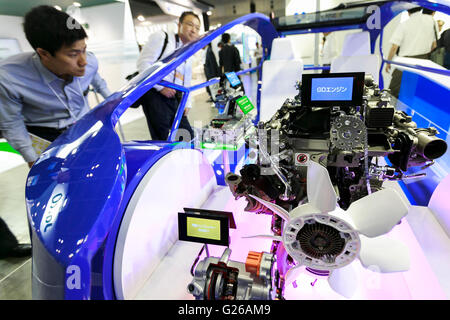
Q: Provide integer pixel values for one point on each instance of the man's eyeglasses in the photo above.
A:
(191, 25)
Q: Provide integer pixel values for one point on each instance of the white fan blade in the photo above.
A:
(292, 274)
(383, 254)
(344, 281)
(303, 209)
(320, 190)
(264, 236)
(272, 206)
(377, 213)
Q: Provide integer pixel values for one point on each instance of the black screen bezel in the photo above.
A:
(357, 93)
(224, 228)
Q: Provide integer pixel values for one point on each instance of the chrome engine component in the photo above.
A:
(223, 279)
(348, 133)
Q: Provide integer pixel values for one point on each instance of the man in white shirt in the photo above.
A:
(416, 38)
(160, 104)
(329, 49)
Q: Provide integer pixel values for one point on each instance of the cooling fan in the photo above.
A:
(321, 236)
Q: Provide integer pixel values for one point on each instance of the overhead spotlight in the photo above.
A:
(58, 8)
(209, 13)
(77, 4)
(141, 18)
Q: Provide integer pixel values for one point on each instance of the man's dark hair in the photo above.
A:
(411, 11)
(226, 38)
(187, 13)
(50, 29)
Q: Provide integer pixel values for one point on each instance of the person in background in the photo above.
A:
(229, 57)
(44, 92)
(444, 41)
(211, 69)
(430, 15)
(9, 246)
(220, 45)
(329, 50)
(416, 39)
(160, 104)
(258, 56)
(440, 24)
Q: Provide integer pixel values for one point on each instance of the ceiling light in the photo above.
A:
(58, 8)
(141, 18)
(77, 4)
(209, 13)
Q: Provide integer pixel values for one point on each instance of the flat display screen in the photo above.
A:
(332, 89)
(203, 228)
(233, 78)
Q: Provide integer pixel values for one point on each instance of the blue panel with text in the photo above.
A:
(332, 89)
(233, 78)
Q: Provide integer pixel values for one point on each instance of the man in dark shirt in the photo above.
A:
(211, 68)
(229, 57)
(444, 41)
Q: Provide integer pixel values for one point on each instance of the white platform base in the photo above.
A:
(428, 277)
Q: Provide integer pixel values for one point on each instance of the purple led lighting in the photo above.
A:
(321, 273)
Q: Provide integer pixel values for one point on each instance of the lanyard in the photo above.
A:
(63, 102)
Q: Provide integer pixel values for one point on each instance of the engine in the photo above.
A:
(318, 167)
(350, 140)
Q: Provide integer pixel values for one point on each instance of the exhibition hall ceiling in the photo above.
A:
(21, 7)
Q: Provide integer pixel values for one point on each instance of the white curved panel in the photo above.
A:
(279, 78)
(364, 63)
(356, 44)
(182, 178)
(282, 49)
(439, 204)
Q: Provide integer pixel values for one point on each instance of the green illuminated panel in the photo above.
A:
(245, 104)
(4, 146)
(203, 228)
(218, 146)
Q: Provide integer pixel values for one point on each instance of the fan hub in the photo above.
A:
(321, 241)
